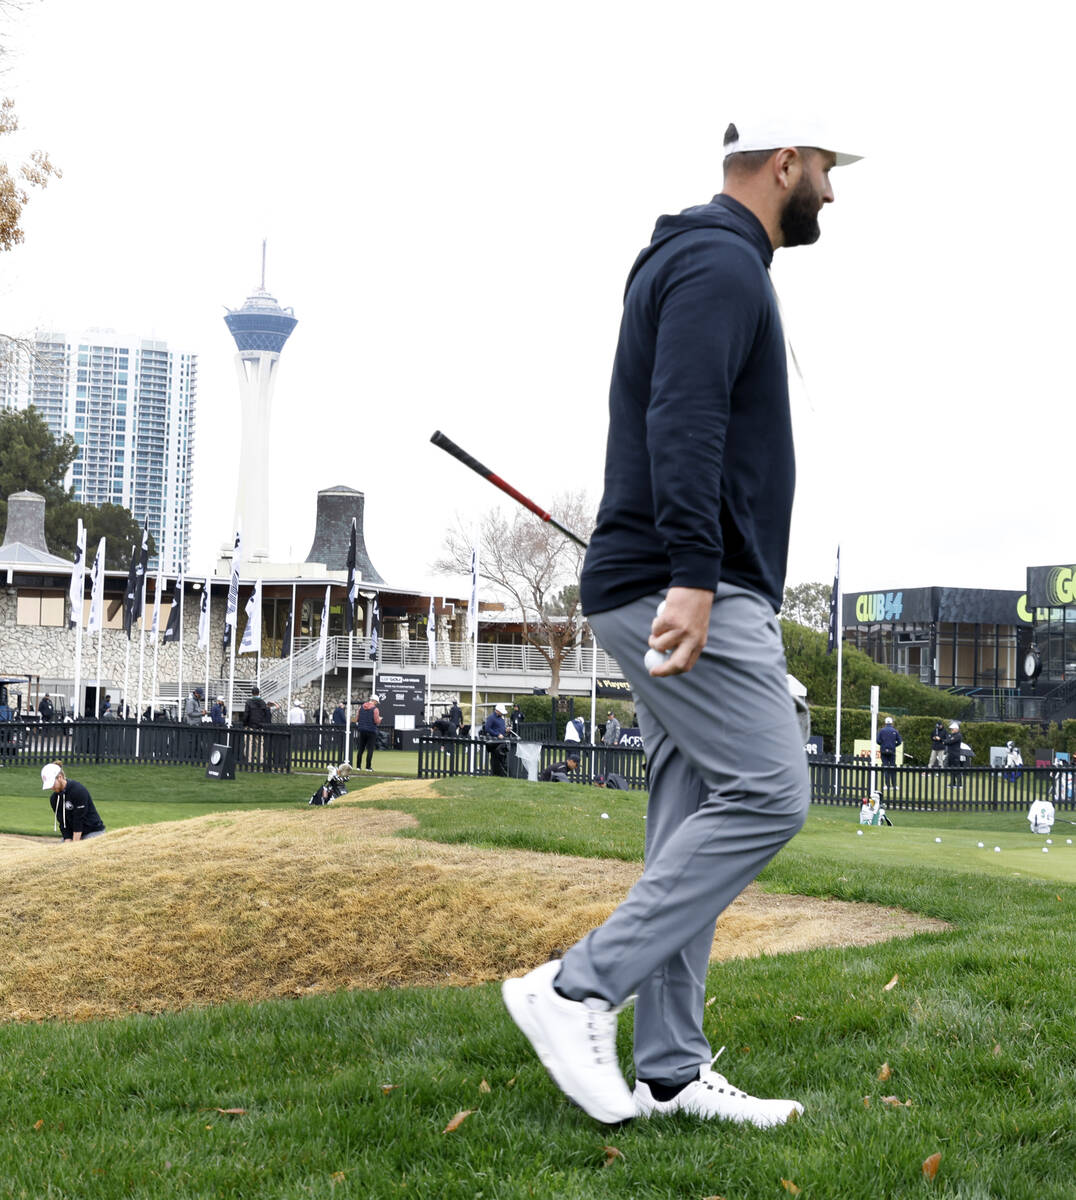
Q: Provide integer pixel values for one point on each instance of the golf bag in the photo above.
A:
(333, 786)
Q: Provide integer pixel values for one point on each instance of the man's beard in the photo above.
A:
(799, 217)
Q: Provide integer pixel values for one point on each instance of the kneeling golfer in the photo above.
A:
(699, 477)
(72, 804)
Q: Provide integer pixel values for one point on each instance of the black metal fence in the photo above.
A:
(155, 743)
(440, 758)
(968, 789)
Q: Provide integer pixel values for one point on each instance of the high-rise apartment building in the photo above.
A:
(129, 402)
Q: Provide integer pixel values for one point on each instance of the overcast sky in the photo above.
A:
(453, 195)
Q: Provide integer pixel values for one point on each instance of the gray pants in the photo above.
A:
(728, 788)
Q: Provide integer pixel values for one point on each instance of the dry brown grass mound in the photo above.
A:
(256, 905)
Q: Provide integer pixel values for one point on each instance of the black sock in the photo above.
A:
(662, 1090)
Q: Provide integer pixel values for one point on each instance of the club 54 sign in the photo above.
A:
(879, 606)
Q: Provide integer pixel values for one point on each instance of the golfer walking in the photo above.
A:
(699, 478)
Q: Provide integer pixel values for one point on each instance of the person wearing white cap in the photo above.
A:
(888, 740)
(954, 756)
(76, 815)
(699, 480)
(367, 719)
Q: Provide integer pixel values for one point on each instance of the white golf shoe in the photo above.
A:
(576, 1041)
(712, 1096)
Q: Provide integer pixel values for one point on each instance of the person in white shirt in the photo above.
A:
(296, 716)
(1040, 816)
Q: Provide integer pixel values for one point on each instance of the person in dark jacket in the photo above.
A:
(71, 802)
(455, 717)
(216, 713)
(888, 740)
(954, 758)
(495, 732)
(937, 747)
(559, 772)
(699, 481)
(340, 714)
(256, 714)
(367, 720)
(45, 709)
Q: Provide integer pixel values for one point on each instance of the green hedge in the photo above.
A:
(805, 650)
(538, 708)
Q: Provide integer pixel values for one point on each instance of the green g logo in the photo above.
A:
(1061, 586)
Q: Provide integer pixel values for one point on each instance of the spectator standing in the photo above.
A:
(71, 802)
(495, 732)
(455, 716)
(217, 714)
(107, 712)
(194, 709)
(367, 721)
(954, 757)
(517, 717)
(340, 714)
(611, 736)
(45, 709)
(256, 714)
(296, 716)
(888, 740)
(937, 747)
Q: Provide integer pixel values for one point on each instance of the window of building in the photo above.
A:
(80, 391)
(40, 608)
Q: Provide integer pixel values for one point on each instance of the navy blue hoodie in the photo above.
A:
(700, 468)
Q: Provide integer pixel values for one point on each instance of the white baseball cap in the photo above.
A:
(954, 724)
(49, 772)
(778, 133)
(501, 709)
(889, 720)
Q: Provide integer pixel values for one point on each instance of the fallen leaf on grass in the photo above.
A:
(231, 1112)
(891, 984)
(996, 1051)
(710, 1001)
(930, 1165)
(337, 1177)
(795, 1017)
(893, 1102)
(484, 1087)
(511, 1082)
(611, 1155)
(38, 1124)
(713, 1198)
(458, 1120)
(884, 1072)
(866, 1101)
(790, 1187)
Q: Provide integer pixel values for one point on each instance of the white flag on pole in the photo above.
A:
(203, 617)
(78, 577)
(323, 641)
(431, 634)
(158, 596)
(97, 591)
(252, 635)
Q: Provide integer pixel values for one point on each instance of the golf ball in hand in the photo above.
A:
(654, 658)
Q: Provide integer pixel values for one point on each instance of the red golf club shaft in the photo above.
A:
(448, 445)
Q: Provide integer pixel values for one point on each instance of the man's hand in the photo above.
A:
(682, 628)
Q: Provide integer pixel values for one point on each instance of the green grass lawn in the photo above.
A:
(126, 795)
(348, 1095)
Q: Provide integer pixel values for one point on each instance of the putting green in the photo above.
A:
(1021, 852)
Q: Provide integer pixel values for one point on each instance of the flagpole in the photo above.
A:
(258, 661)
(179, 676)
(291, 648)
(840, 658)
(141, 666)
(124, 703)
(347, 706)
(77, 705)
(156, 635)
(593, 688)
(209, 637)
(474, 651)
